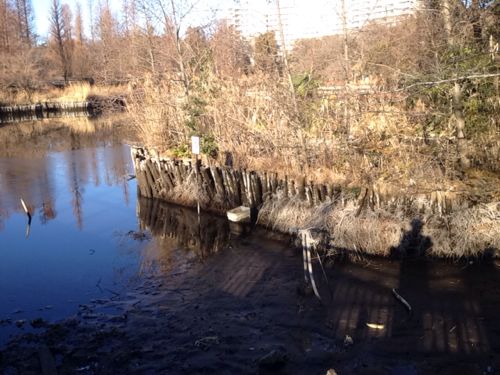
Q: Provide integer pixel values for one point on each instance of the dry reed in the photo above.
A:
(75, 92)
(381, 231)
(253, 119)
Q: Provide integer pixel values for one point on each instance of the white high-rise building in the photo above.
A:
(315, 18)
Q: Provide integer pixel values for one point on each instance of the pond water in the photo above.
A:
(204, 295)
(76, 184)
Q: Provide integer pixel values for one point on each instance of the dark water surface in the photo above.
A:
(83, 206)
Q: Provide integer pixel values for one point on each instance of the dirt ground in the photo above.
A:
(245, 310)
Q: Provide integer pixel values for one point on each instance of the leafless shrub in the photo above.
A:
(156, 110)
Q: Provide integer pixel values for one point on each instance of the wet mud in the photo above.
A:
(215, 299)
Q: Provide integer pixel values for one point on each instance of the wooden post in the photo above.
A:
(301, 191)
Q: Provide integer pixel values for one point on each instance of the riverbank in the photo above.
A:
(373, 219)
(71, 101)
(241, 309)
(73, 92)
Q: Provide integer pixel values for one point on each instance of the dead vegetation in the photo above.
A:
(75, 92)
(471, 232)
(405, 123)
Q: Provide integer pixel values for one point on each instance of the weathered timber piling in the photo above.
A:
(46, 110)
(220, 188)
(43, 110)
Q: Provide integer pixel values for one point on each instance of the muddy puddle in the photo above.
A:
(196, 295)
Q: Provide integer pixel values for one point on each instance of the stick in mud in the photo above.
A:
(307, 251)
(403, 301)
(324, 273)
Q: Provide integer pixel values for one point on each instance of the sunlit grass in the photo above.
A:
(74, 92)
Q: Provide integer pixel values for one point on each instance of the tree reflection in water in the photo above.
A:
(33, 154)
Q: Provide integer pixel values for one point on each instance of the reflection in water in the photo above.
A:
(73, 179)
(40, 137)
(180, 226)
(29, 170)
(448, 315)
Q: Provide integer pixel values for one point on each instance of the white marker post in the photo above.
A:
(195, 149)
(195, 145)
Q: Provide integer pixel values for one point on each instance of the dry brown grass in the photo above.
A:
(253, 118)
(155, 110)
(285, 214)
(374, 232)
(464, 233)
(77, 92)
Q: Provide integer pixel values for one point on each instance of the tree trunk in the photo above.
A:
(285, 58)
(347, 73)
(460, 126)
(446, 12)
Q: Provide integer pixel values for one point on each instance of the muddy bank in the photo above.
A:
(241, 308)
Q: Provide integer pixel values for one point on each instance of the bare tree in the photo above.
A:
(59, 32)
(456, 91)
(171, 15)
(231, 53)
(24, 15)
(106, 45)
(284, 56)
(266, 53)
(92, 26)
(79, 24)
(5, 17)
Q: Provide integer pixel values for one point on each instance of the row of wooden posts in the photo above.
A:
(226, 187)
(40, 111)
(230, 187)
(46, 107)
